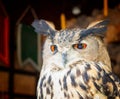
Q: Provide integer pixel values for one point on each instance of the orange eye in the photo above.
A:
(53, 48)
(80, 46)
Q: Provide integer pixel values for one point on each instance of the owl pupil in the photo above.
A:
(80, 46)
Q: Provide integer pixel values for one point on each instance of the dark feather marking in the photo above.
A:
(68, 96)
(85, 77)
(115, 78)
(106, 79)
(65, 94)
(78, 73)
(48, 90)
(68, 72)
(41, 84)
(52, 95)
(42, 79)
(49, 80)
(97, 86)
(51, 86)
(73, 83)
(83, 87)
(59, 82)
(80, 97)
(65, 83)
(44, 85)
(99, 76)
(87, 67)
(72, 94)
(106, 89)
(98, 67)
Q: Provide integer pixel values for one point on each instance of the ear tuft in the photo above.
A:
(97, 28)
(98, 24)
(42, 27)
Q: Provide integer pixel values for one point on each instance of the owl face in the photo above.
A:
(68, 46)
(65, 47)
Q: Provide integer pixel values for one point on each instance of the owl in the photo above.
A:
(76, 64)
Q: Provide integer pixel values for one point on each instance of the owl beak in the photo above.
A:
(64, 58)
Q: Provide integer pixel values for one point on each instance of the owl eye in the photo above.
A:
(53, 48)
(80, 46)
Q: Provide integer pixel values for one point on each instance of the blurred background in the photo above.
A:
(21, 47)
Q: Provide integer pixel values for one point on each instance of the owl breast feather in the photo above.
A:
(80, 81)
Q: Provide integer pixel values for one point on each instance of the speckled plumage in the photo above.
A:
(76, 73)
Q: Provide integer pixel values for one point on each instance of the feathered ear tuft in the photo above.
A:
(97, 28)
(98, 24)
(42, 27)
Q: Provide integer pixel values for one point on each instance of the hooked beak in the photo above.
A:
(64, 58)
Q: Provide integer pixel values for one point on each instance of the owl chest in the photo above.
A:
(68, 85)
(67, 88)
(75, 83)
(60, 88)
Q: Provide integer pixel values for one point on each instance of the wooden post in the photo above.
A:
(105, 8)
(63, 21)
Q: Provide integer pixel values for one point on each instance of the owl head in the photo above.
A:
(65, 47)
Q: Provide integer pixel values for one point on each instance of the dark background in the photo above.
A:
(51, 9)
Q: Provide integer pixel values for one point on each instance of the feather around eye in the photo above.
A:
(80, 46)
(53, 48)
